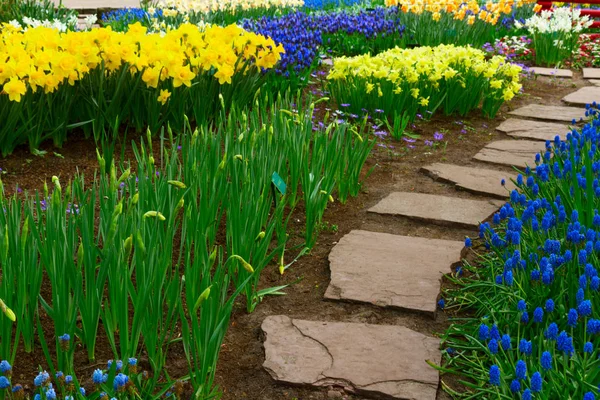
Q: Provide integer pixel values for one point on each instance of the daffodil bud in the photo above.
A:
(140, 242)
(128, 245)
(212, 257)
(179, 205)
(260, 236)
(322, 192)
(135, 198)
(331, 198)
(25, 232)
(124, 176)
(80, 254)
(222, 100)
(178, 184)
(101, 162)
(7, 311)
(56, 183)
(222, 163)
(238, 157)
(154, 214)
(245, 265)
(203, 296)
(241, 137)
(151, 160)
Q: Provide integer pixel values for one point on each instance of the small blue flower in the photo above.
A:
(572, 317)
(495, 375)
(549, 305)
(588, 347)
(41, 378)
(526, 395)
(50, 394)
(536, 382)
(538, 315)
(441, 304)
(484, 332)
(521, 305)
(4, 366)
(552, 331)
(468, 242)
(515, 386)
(546, 360)
(589, 396)
(493, 346)
(525, 347)
(505, 342)
(585, 308)
(4, 383)
(98, 377)
(521, 370)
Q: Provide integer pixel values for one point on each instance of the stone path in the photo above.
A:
(379, 268)
(371, 360)
(404, 272)
(559, 73)
(518, 153)
(549, 113)
(445, 210)
(591, 73)
(89, 5)
(475, 180)
(536, 130)
(585, 95)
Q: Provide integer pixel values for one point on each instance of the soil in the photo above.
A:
(396, 168)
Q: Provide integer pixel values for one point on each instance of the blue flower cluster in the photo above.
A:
(544, 275)
(324, 4)
(47, 388)
(126, 16)
(298, 32)
(302, 34)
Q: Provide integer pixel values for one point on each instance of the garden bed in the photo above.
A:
(240, 373)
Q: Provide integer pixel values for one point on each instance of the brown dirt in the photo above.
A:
(240, 374)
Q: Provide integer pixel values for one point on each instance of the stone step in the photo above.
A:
(591, 73)
(585, 95)
(550, 113)
(528, 129)
(444, 210)
(390, 270)
(474, 180)
(517, 153)
(92, 5)
(595, 82)
(556, 72)
(374, 361)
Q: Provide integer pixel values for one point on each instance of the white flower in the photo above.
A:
(15, 24)
(90, 20)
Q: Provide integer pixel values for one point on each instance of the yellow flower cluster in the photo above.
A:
(45, 58)
(425, 68)
(205, 6)
(461, 9)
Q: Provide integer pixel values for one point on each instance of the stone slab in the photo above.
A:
(98, 4)
(595, 82)
(390, 270)
(438, 209)
(583, 96)
(557, 72)
(550, 113)
(528, 129)
(376, 361)
(591, 73)
(475, 180)
(517, 153)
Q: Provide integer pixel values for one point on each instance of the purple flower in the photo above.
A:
(345, 105)
(428, 143)
(380, 134)
(379, 111)
(409, 140)
(438, 136)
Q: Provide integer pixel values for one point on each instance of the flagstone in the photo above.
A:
(374, 361)
(557, 72)
(594, 81)
(518, 153)
(585, 95)
(591, 73)
(551, 113)
(474, 180)
(438, 209)
(98, 4)
(528, 129)
(390, 270)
